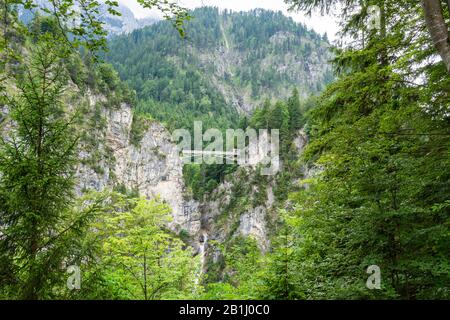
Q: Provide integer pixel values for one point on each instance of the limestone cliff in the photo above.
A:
(153, 168)
(243, 205)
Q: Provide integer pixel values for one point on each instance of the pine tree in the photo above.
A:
(280, 277)
(381, 142)
(279, 120)
(261, 116)
(36, 166)
(295, 112)
(139, 258)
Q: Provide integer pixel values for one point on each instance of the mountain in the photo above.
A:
(94, 189)
(225, 69)
(125, 23)
(226, 66)
(114, 25)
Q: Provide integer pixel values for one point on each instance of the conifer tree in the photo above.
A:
(295, 112)
(381, 142)
(36, 171)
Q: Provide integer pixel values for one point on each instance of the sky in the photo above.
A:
(320, 24)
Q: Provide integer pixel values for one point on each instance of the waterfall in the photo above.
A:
(202, 245)
(202, 251)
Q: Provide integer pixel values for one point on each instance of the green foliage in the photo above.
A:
(176, 80)
(138, 256)
(43, 229)
(245, 265)
(108, 77)
(381, 144)
(138, 127)
(287, 117)
(243, 272)
(37, 157)
(296, 113)
(82, 20)
(380, 152)
(281, 276)
(203, 179)
(220, 291)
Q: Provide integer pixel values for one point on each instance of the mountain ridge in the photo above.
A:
(225, 64)
(124, 23)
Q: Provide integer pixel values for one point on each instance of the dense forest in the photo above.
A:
(196, 78)
(370, 188)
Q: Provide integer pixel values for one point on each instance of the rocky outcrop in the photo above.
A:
(253, 224)
(304, 72)
(224, 217)
(125, 23)
(154, 168)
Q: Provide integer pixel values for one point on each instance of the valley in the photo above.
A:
(335, 158)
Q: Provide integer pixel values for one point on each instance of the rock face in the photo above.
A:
(227, 60)
(125, 23)
(109, 159)
(253, 223)
(222, 221)
(153, 168)
(243, 205)
(114, 25)
(226, 215)
(242, 57)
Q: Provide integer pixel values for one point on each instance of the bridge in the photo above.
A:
(229, 155)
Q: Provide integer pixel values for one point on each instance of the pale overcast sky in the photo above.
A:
(320, 24)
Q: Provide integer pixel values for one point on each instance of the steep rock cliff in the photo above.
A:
(153, 168)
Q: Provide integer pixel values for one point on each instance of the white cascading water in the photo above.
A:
(203, 249)
(203, 242)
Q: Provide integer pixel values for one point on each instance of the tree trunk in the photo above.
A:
(383, 33)
(437, 28)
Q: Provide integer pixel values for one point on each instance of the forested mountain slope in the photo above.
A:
(228, 64)
(113, 24)
(359, 209)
